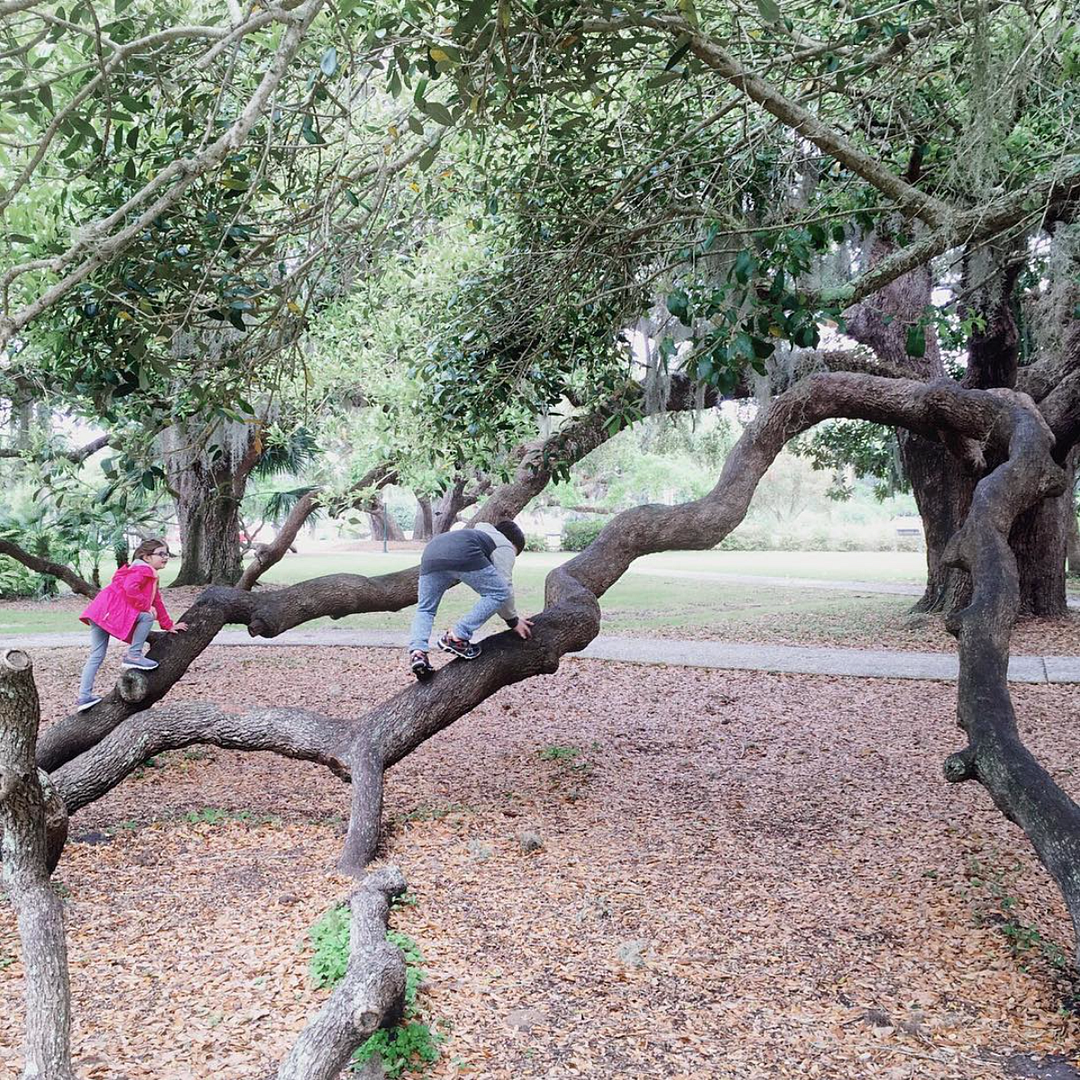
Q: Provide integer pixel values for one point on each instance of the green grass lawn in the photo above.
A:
(639, 601)
(890, 566)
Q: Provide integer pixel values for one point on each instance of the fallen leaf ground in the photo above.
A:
(742, 876)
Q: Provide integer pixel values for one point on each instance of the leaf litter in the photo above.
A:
(739, 875)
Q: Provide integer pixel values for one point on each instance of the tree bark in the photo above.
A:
(38, 908)
(208, 473)
(383, 524)
(370, 996)
(422, 523)
(941, 488)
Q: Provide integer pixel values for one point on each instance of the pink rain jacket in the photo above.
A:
(133, 589)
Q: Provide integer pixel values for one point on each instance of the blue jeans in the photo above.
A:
(494, 591)
(99, 646)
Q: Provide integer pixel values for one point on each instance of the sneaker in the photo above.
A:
(139, 663)
(465, 649)
(421, 666)
(87, 703)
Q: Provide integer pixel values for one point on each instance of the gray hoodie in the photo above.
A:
(473, 549)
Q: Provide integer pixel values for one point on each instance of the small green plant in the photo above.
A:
(409, 1046)
(570, 757)
(6, 961)
(208, 815)
(558, 753)
(1025, 940)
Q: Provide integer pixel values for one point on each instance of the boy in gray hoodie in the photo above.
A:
(483, 558)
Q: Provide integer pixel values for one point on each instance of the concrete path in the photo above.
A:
(859, 663)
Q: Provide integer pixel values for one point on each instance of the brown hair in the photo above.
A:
(148, 547)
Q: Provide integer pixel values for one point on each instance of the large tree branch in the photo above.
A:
(930, 209)
(76, 457)
(293, 733)
(47, 566)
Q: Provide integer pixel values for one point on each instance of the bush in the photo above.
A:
(577, 535)
(16, 581)
(535, 542)
(748, 538)
(408, 1046)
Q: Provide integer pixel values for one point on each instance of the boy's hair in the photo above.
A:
(510, 530)
(148, 547)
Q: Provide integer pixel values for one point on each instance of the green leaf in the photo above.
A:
(438, 112)
(677, 55)
(237, 319)
(770, 10)
(475, 14)
(328, 63)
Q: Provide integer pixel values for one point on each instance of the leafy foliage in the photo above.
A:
(406, 1047)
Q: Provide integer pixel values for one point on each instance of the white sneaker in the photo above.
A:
(89, 703)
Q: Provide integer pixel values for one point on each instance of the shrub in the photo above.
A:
(16, 581)
(535, 542)
(748, 538)
(408, 1046)
(578, 534)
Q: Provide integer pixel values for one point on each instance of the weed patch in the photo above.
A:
(409, 1046)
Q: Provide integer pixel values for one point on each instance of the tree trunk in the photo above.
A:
(384, 525)
(422, 523)
(208, 474)
(943, 496)
(209, 533)
(38, 908)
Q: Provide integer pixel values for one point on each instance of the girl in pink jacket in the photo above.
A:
(125, 609)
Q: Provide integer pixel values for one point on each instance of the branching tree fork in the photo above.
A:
(1000, 433)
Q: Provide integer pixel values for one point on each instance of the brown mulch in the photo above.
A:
(742, 876)
(884, 626)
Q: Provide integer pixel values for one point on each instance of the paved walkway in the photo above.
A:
(859, 663)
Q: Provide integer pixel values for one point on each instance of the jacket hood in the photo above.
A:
(490, 530)
(132, 571)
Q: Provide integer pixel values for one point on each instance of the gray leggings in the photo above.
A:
(99, 645)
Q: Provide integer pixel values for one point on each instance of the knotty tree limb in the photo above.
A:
(38, 908)
(370, 996)
(47, 566)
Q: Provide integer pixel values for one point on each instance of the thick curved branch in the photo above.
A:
(294, 733)
(370, 996)
(996, 756)
(47, 566)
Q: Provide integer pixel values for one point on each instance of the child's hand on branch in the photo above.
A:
(523, 628)
(178, 627)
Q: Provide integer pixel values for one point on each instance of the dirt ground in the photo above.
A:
(742, 876)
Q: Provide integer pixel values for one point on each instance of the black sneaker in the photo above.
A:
(465, 649)
(421, 666)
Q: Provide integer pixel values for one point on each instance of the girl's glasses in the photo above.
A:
(162, 554)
